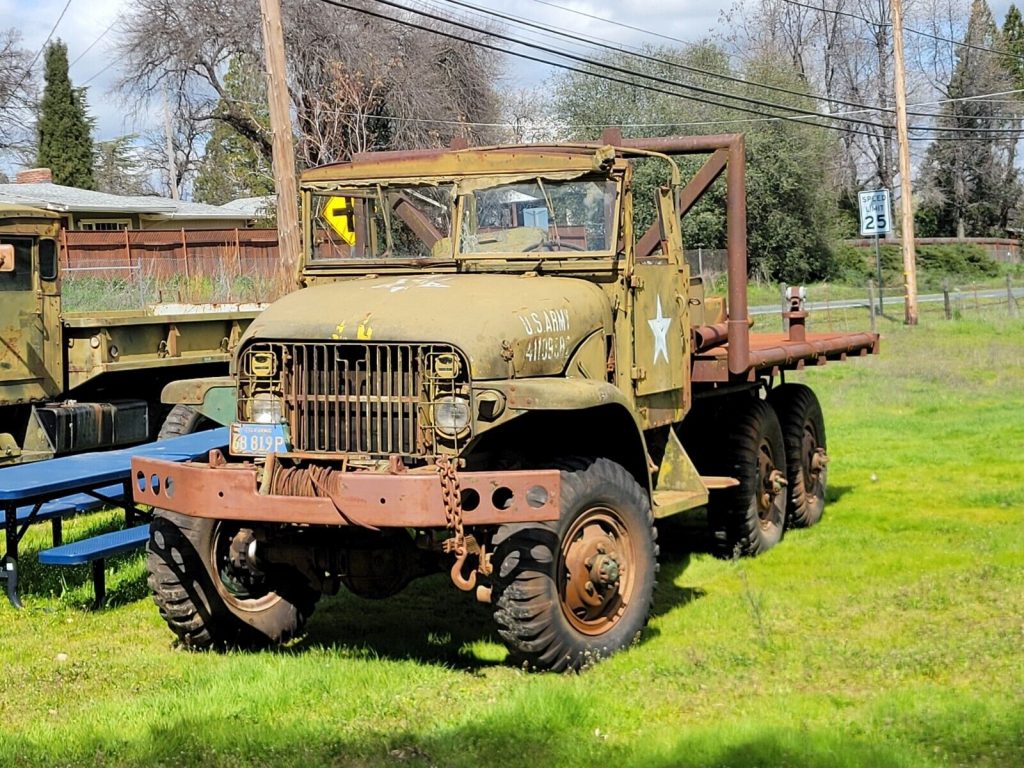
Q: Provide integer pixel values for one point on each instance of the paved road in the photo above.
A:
(988, 293)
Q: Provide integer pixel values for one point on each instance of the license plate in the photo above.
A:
(259, 439)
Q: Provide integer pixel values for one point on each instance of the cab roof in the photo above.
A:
(18, 211)
(475, 161)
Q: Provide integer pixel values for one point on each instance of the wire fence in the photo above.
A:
(112, 286)
(850, 314)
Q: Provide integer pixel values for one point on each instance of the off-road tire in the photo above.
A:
(740, 524)
(600, 502)
(803, 432)
(195, 603)
(183, 420)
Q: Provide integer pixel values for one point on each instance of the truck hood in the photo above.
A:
(542, 319)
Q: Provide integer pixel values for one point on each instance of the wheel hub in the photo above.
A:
(605, 570)
(239, 578)
(596, 578)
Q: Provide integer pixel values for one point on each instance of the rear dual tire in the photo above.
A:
(803, 433)
(749, 519)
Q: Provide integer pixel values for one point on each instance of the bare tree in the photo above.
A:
(357, 83)
(843, 51)
(527, 116)
(17, 94)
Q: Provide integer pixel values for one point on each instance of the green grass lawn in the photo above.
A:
(889, 635)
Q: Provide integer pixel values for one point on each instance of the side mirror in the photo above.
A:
(47, 259)
(6, 257)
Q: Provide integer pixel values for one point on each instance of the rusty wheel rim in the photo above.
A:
(771, 508)
(596, 575)
(812, 465)
(234, 585)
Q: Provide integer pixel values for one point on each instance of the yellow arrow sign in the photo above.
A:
(340, 214)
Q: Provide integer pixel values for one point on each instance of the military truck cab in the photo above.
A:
(489, 372)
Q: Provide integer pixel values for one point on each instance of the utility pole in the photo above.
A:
(172, 170)
(906, 206)
(281, 129)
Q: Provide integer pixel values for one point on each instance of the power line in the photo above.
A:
(109, 66)
(610, 21)
(595, 42)
(918, 32)
(93, 43)
(799, 116)
(804, 118)
(667, 62)
(35, 58)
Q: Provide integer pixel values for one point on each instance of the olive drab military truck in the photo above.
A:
(72, 382)
(492, 372)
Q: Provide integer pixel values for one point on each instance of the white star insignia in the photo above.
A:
(659, 327)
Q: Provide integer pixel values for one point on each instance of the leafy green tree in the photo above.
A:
(64, 127)
(790, 205)
(233, 165)
(969, 182)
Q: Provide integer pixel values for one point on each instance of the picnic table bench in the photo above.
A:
(57, 488)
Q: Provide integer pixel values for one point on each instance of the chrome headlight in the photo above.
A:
(451, 415)
(267, 409)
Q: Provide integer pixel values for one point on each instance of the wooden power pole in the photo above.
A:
(284, 154)
(906, 205)
(172, 169)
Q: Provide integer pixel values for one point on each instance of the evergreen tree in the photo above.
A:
(970, 183)
(233, 165)
(119, 169)
(65, 130)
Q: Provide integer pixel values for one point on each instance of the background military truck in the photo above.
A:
(492, 372)
(77, 381)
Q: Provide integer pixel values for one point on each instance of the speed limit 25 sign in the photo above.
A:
(875, 214)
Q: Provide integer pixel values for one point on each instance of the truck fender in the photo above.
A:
(214, 397)
(602, 403)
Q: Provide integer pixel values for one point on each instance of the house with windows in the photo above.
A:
(84, 209)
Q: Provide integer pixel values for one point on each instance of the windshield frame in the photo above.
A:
(453, 259)
(543, 181)
(366, 192)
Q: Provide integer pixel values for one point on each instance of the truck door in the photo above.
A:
(661, 330)
(27, 343)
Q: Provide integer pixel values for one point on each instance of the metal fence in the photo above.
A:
(952, 303)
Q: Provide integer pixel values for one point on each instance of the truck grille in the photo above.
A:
(344, 397)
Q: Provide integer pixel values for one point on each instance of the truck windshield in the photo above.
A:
(398, 223)
(540, 215)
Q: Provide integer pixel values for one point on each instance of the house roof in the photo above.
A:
(253, 207)
(55, 197)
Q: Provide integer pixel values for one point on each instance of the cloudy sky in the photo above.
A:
(86, 28)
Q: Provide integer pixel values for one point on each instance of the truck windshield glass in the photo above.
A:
(379, 223)
(541, 215)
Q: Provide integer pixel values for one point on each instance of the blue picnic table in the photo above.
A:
(50, 489)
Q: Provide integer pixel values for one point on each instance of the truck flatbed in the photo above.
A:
(776, 352)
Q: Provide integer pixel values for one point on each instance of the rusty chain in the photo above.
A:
(451, 494)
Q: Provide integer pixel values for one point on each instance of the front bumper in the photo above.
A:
(411, 499)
